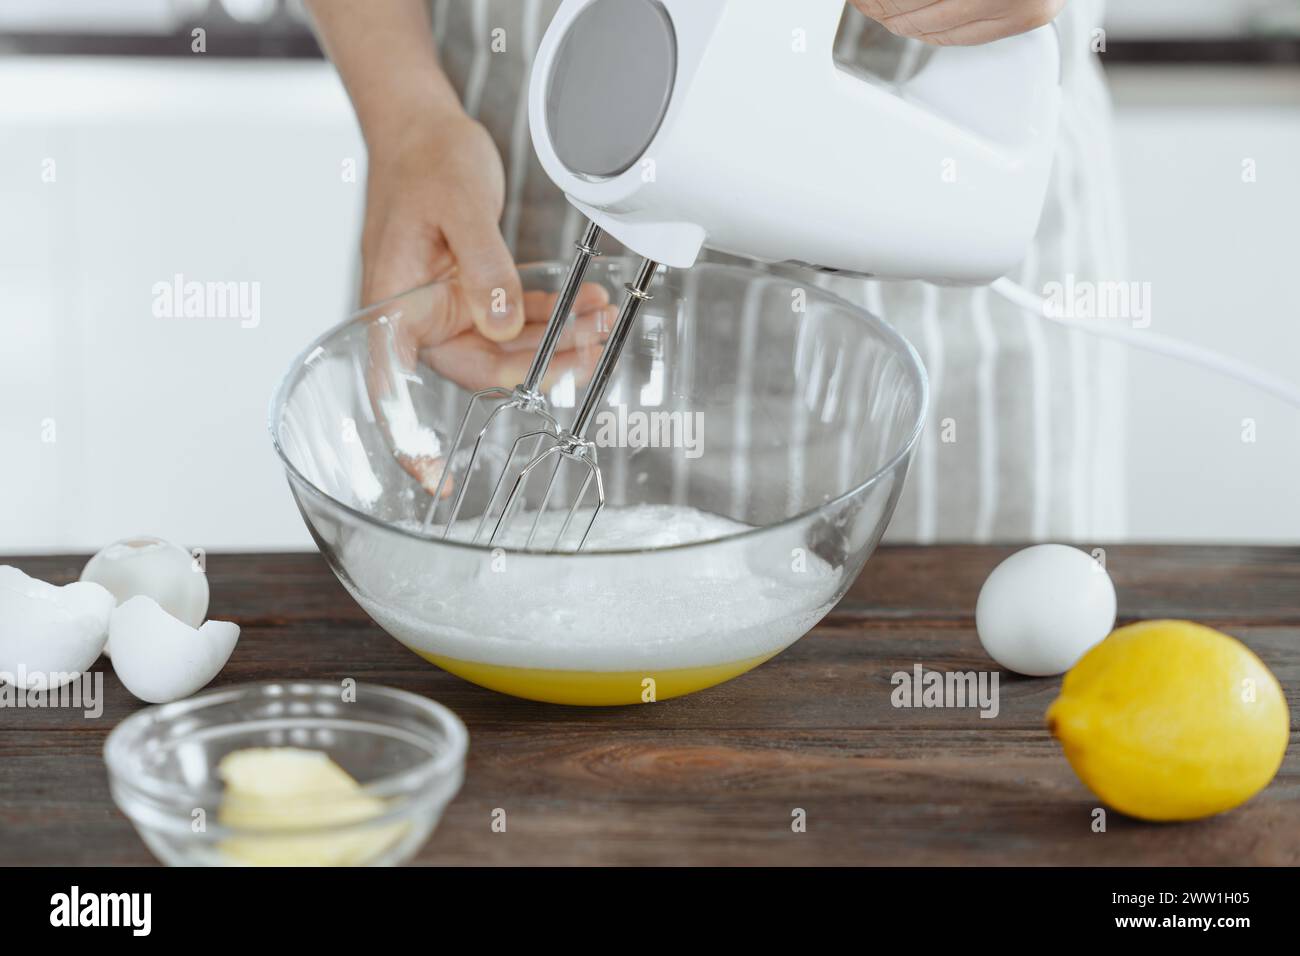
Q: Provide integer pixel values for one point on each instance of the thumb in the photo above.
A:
(488, 275)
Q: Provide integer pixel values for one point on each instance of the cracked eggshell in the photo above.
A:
(49, 635)
(155, 568)
(160, 659)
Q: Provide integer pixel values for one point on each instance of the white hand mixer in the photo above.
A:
(679, 124)
(676, 125)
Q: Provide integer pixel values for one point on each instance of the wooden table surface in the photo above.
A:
(713, 778)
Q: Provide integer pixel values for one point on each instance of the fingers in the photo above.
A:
(438, 325)
(960, 22)
(474, 363)
(894, 13)
(938, 15)
(539, 305)
(487, 273)
(394, 340)
(975, 33)
(587, 334)
(883, 9)
(577, 364)
(474, 367)
(587, 314)
(589, 327)
(428, 472)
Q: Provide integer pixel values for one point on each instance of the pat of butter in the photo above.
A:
(286, 788)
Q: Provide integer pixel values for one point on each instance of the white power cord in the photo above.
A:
(1018, 295)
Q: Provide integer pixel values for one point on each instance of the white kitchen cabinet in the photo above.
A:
(219, 171)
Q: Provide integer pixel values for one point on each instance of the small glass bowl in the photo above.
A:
(407, 752)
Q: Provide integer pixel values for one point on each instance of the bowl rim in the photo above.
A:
(413, 781)
(280, 394)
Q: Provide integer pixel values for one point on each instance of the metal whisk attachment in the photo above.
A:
(572, 446)
(524, 400)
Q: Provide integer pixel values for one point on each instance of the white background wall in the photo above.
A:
(234, 171)
(217, 170)
(1221, 256)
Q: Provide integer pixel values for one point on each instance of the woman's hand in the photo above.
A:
(433, 200)
(960, 22)
(436, 187)
(434, 197)
(435, 326)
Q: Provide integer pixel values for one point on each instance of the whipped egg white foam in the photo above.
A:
(723, 600)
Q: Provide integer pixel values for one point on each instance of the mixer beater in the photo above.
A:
(549, 439)
(572, 445)
(526, 398)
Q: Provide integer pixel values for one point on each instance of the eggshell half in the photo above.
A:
(49, 635)
(160, 659)
(155, 568)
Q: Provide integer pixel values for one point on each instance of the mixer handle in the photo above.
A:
(996, 89)
(993, 89)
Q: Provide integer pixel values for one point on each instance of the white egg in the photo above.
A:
(160, 659)
(154, 568)
(49, 635)
(1043, 607)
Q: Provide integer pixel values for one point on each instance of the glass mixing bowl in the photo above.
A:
(406, 752)
(784, 414)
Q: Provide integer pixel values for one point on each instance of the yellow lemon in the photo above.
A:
(1169, 720)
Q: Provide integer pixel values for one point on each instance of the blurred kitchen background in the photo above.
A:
(125, 158)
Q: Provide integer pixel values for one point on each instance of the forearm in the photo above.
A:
(384, 52)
